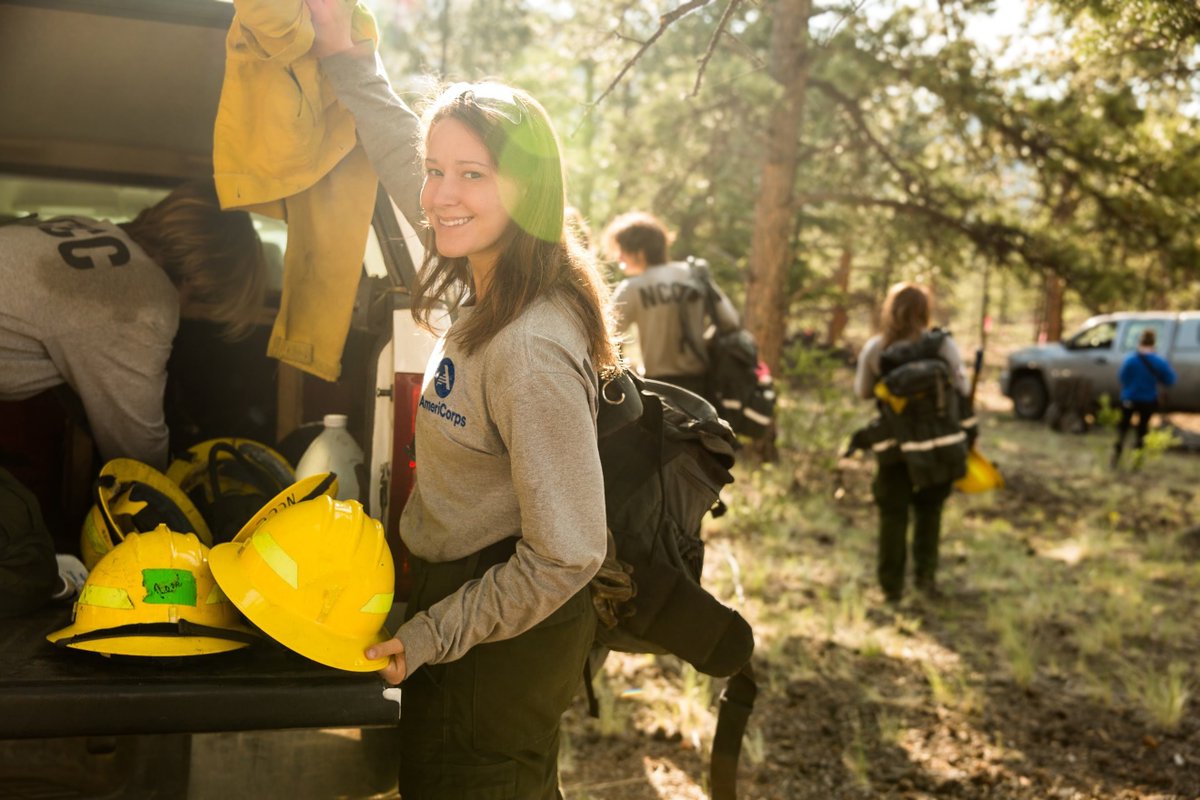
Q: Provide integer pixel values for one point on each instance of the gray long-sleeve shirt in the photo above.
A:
(667, 304)
(85, 306)
(387, 127)
(505, 437)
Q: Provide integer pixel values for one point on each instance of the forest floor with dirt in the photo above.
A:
(1060, 662)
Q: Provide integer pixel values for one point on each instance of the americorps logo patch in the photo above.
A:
(443, 384)
(443, 381)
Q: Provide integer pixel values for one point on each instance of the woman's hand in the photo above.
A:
(393, 650)
(331, 26)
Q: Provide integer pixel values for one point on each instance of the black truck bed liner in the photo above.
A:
(50, 691)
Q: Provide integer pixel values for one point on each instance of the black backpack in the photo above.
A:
(922, 412)
(666, 455)
(744, 394)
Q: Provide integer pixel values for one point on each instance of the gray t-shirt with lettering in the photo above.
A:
(85, 306)
(667, 304)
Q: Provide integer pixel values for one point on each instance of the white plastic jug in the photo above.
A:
(334, 450)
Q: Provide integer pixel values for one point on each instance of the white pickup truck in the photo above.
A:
(1095, 353)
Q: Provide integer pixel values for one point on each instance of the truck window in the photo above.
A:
(1098, 337)
(1188, 337)
(1134, 328)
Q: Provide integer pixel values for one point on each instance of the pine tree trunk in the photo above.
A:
(1052, 319)
(840, 316)
(775, 205)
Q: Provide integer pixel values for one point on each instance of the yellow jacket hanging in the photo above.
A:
(285, 148)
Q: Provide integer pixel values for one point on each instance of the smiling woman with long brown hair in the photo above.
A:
(506, 521)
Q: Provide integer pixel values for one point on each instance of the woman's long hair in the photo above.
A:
(540, 255)
(906, 312)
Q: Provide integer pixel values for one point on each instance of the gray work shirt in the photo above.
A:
(85, 306)
(666, 302)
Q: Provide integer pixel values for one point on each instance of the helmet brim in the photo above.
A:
(295, 633)
(324, 483)
(157, 646)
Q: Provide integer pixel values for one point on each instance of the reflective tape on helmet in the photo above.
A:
(105, 597)
(379, 604)
(277, 559)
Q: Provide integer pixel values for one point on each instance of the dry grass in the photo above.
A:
(1071, 601)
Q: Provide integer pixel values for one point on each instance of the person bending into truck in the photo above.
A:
(907, 337)
(664, 300)
(95, 305)
(1141, 373)
(506, 520)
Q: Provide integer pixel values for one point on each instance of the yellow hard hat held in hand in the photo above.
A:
(317, 577)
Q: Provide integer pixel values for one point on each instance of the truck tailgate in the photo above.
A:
(47, 691)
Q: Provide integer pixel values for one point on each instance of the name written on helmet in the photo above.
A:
(444, 411)
(169, 586)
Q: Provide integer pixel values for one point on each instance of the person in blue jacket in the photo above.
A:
(1141, 373)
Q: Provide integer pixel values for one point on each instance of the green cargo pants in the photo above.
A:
(486, 727)
(894, 494)
(28, 571)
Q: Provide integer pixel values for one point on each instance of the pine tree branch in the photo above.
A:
(664, 22)
(712, 44)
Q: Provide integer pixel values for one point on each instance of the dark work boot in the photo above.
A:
(927, 586)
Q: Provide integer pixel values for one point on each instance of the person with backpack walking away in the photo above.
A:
(665, 301)
(921, 437)
(1141, 373)
(506, 520)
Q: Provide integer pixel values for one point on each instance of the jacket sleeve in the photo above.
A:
(387, 127)
(953, 358)
(1128, 370)
(728, 318)
(1167, 371)
(867, 371)
(121, 387)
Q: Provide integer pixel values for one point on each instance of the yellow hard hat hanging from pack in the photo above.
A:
(317, 577)
(982, 475)
(229, 479)
(132, 497)
(154, 595)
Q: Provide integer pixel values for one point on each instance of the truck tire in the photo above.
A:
(1029, 397)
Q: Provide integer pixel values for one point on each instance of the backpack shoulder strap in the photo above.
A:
(698, 271)
(737, 701)
(1150, 366)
